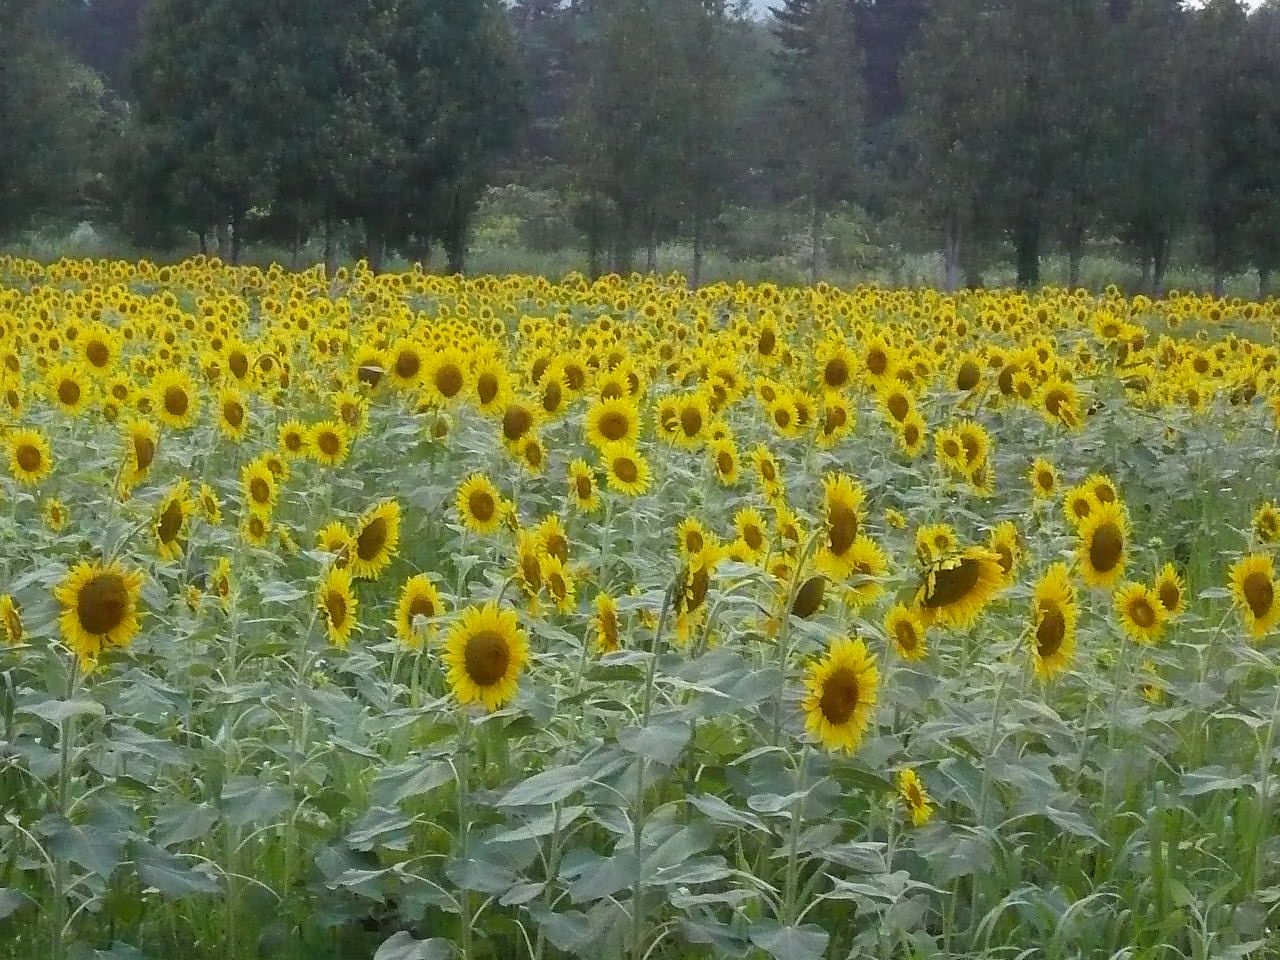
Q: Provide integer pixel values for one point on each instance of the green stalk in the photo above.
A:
(789, 904)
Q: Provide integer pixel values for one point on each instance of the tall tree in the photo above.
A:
(1261, 83)
(820, 69)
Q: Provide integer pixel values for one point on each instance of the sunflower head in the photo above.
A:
(99, 607)
(1054, 622)
(914, 798)
(484, 655)
(419, 605)
(336, 601)
(1172, 590)
(480, 506)
(376, 536)
(1103, 544)
(955, 590)
(1254, 587)
(1141, 613)
(841, 695)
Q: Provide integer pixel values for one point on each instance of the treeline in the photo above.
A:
(988, 130)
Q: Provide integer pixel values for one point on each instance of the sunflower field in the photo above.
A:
(412, 617)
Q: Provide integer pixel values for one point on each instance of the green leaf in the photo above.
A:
(171, 875)
(721, 812)
(56, 711)
(245, 801)
(660, 742)
(95, 848)
(402, 946)
(540, 826)
(381, 827)
(1211, 780)
(807, 942)
(11, 901)
(550, 786)
(276, 591)
(410, 779)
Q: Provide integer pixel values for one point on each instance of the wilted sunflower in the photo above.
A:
(583, 491)
(842, 690)
(810, 597)
(844, 514)
(174, 398)
(29, 458)
(1172, 591)
(606, 624)
(172, 516)
(907, 631)
(628, 470)
(1054, 613)
(914, 797)
(480, 506)
(956, 589)
(1253, 585)
(1043, 478)
(337, 603)
(1103, 545)
(485, 654)
(419, 598)
(377, 535)
(259, 485)
(329, 443)
(11, 621)
(99, 607)
(1142, 615)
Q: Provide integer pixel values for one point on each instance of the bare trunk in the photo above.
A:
(1219, 281)
(330, 248)
(1028, 253)
(237, 237)
(651, 250)
(203, 237)
(1075, 253)
(695, 276)
(1160, 267)
(1264, 283)
(1145, 282)
(951, 246)
(222, 234)
(815, 241)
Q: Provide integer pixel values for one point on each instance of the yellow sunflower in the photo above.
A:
(1053, 643)
(1004, 543)
(294, 440)
(1253, 585)
(337, 604)
(842, 689)
(559, 584)
(1078, 505)
(171, 521)
(29, 457)
(605, 624)
(1142, 615)
(1103, 545)
(256, 529)
(222, 582)
(259, 485)
(907, 631)
(723, 454)
(11, 621)
(613, 421)
(1266, 523)
(141, 440)
(480, 506)
(956, 589)
(419, 604)
(583, 490)
(233, 414)
(99, 607)
(1172, 591)
(446, 379)
(935, 541)
(844, 513)
(377, 535)
(484, 655)
(628, 470)
(334, 538)
(210, 505)
(1043, 478)
(56, 516)
(174, 398)
(752, 531)
(329, 443)
(914, 797)
(70, 388)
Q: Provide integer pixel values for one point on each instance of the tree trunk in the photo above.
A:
(295, 250)
(1264, 282)
(695, 276)
(1075, 253)
(223, 237)
(622, 251)
(203, 237)
(455, 241)
(330, 248)
(815, 241)
(1028, 253)
(374, 242)
(237, 237)
(651, 248)
(1219, 281)
(951, 246)
(593, 252)
(1145, 283)
(1160, 266)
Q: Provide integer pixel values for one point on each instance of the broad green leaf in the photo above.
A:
(11, 901)
(56, 711)
(173, 876)
(402, 946)
(807, 942)
(662, 743)
(245, 800)
(550, 786)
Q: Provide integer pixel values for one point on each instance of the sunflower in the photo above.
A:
(752, 531)
(1172, 591)
(767, 469)
(1266, 523)
(210, 506)
(446, 379)
(695, 585)
(812, 595)
(492, 386)
(1253, 585)
(334, 538)
(222, 583)
(841, 695)
(612, 421)
(533, 455)
(528, 563)
(723, 455)
(907, 631)
(1043, 478)
(419, 597)
(174, 398)
(141, 440)
(583, 490)
(1054, 622)
(259, 485)
(256, 529)
(171, 520)
(1078, 505)
(838, 420)
(29, 457)
(377, 534)
(914, 796)
(99, 348)
(1102, 488)
(1060, 403)
(70, 388)
(692, 417)
(956, 589)
(783, 417)
(484, 655)
(405, 363)
(691, 537)
(99, 607)
(1004, 543)
(233, 414)
(337, 604)
(605, 624)
(553, 538)
(329, 443)
(1103, 545)
(293, 439)
(518, 421)
(559, 584)
(913, 434)
(480, 506)
(11, 620)
(844, 514)
(1142, 615)
(868, 565)
(628, 470)
(935, 541)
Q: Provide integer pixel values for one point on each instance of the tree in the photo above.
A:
(1261, 83)
(51, 112)
(822, 105)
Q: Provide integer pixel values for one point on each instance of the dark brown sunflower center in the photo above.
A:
(239, 364)
(905, 632)
(809, 598)
(1106, 548)
(532, 571)
(486, 657)
(170, 522)
(782, 417)
(176, 401)
(768, 471)
(551, 397)
(293, 441)
(839, 696)
(899, 406)
(768, 340)
(968, 375)
(102, 604)
(29, 457)
(615, 425)
(1259, 593)
(582, 485)
(724, 463)
(487, 387)
(421, 607)
(1005, 552)
(836, 373)
(954, 585)
(372, 538)
(233, 413)
(1044, 480)
(558, 547)
(1170, 595)
(1141, 613)
(97, 353)
(69, 392)
(408, 364)
(877, 361)
(335, 605)
(626, 469)
(259, 490)
(481, 505)
(691, 421)
(843, 528)
(1051, 631)
(448, 380)
(516, 423)
(328, 443)
(1104, 493)
(753, 536)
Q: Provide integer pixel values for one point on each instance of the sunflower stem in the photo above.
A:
(462, 773)
(784, 639)
(1264, 796)
(793, 843)
(66, 750)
